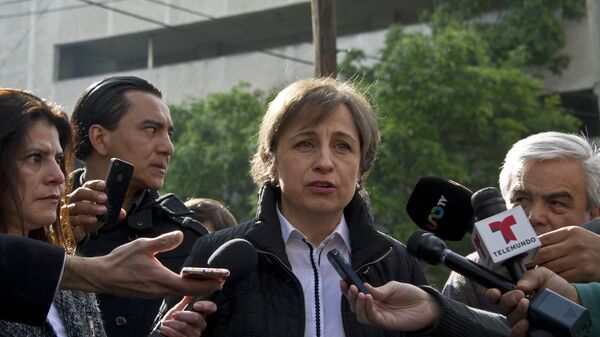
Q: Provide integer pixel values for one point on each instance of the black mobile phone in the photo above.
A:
(117, 181)
(345, 271)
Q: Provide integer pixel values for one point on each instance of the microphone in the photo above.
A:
(548, 310)
(442, 207)
(433, 250)
(501, 236)
(238, 256)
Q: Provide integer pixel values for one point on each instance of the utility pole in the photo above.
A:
(324, 35)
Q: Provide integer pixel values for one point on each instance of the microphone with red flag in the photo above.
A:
(446, 209)
(501, 236)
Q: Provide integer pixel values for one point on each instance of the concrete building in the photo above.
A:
(579, 85)
(56, 48)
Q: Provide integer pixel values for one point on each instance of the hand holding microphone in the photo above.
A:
(550, 312)
(514, 305)
(230, 263)
(238, 256)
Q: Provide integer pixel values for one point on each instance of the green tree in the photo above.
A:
(533, 26)
(213, 144)
(446, 109)
(450, 103)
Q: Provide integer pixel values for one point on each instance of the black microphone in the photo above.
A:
(548, 310)
(433, 250)
(237, 255)
(442, 207)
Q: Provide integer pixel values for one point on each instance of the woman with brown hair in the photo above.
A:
(316, 145)
(35, 152)
(35, 156)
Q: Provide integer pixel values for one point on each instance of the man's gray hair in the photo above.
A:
(549, 146)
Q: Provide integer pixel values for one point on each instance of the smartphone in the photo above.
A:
(345, 271)
(198, 273)
(117, 181)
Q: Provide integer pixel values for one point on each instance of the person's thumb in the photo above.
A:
(178, 307)
(181, 305)
(165, 242)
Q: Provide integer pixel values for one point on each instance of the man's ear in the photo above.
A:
(99, 137)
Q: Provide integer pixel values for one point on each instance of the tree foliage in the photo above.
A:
(533, 26)
(213, 144)
(447, 110)
(451, 102)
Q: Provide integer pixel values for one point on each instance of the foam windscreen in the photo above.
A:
(237, 255)
(442, 207)
(487, 202)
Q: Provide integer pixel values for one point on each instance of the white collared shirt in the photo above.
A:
(322, 299)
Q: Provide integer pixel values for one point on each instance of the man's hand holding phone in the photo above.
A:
(89, 204)
(117, 182)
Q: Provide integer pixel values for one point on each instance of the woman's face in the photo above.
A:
(39, 179)
(318, 165)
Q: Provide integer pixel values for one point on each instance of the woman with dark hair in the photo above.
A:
(35, 156)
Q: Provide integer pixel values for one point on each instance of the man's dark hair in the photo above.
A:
(104, 103)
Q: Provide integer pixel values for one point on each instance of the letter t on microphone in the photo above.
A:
(503, 236)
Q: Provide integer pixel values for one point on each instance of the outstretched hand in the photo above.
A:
(132, 270)
(393, 306)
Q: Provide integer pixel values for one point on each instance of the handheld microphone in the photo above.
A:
(548, 310)
(433, 250)
(501, 236)
(442, 207)
(238, 256)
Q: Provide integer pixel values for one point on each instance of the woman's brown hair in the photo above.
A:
(18, 111)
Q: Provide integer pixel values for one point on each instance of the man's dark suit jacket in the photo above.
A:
(29, 274)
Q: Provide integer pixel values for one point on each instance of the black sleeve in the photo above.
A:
(458, 319)
(30, 271)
